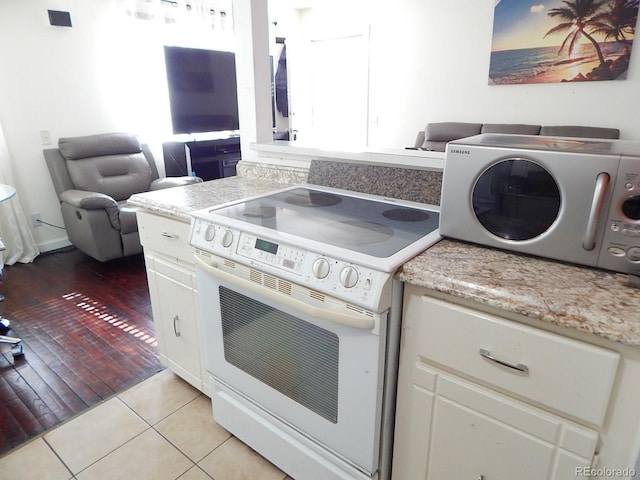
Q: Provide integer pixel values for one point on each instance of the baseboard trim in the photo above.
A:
(53, 245)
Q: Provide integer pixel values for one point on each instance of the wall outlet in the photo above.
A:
(36, 220)
(45, 137)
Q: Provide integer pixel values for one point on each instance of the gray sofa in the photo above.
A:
(436, 135)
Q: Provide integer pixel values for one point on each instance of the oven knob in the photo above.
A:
(348, 276)
(209, 233)
(227, 238)
(320, 268)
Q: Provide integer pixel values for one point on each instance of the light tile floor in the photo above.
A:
(160, 429)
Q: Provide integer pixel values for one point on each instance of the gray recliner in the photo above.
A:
(94, 176)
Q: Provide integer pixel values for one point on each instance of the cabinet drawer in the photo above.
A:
(565, 375)
(164, 235)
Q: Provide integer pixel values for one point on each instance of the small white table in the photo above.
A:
(7, 192)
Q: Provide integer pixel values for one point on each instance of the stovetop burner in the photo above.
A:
(312, 199)
(405, 215)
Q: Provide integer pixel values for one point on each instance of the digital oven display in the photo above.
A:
(265, 246)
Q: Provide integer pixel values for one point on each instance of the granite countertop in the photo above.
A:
(585, 299)
(179, 202)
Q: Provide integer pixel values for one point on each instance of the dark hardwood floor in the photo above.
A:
(87, 334)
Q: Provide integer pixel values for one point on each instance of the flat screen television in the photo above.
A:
(202, 90)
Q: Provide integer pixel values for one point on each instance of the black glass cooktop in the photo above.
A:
(370, 226)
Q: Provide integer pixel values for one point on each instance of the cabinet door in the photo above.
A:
(175, 314)
(467, 444)
(451, 429)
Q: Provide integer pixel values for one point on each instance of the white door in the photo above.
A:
(339, 74)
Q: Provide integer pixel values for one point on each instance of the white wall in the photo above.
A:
(443, 75)
(104, 74)
(429, 62)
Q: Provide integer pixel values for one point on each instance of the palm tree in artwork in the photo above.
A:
(620, 22)
(576, 17)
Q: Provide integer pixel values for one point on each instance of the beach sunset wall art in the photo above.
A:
(556, 41)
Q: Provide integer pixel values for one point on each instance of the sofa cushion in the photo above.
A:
(577, 131)
(438, 134)
(128, 222)
(511, 128)
(75, 148)
(118, 176)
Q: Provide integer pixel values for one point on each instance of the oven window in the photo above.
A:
(516, 199)
(298, 359)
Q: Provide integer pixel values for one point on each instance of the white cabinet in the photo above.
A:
(173, 291)
(482, 397)
(175, 317)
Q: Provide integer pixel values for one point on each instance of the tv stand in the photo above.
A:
(207, 159)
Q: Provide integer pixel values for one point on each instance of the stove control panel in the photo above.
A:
(332, 276)
(271, 253)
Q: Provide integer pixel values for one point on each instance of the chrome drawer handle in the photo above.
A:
(519, 367)
(169, 235)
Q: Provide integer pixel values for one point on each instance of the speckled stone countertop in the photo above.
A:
(588, 300)
(179, 202)
(414, 185)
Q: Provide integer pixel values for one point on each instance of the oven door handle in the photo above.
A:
(326, 314)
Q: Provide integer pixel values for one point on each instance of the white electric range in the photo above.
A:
(301, 321)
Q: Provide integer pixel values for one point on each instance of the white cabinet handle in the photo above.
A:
(519, 367)
(176, 324)
(169, 235)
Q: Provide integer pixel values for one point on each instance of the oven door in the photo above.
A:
(316, 365)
